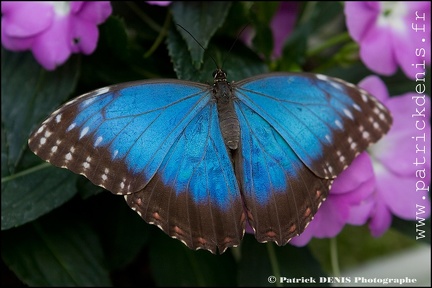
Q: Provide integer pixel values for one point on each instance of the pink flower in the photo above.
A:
(52, 30)
(391, 34)
(347, 202)
(281, 25)
(401, 159)
(159, 3)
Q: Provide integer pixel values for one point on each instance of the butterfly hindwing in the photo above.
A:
(194, 195)
(281, 194)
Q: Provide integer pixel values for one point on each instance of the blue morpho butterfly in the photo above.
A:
(200, 160)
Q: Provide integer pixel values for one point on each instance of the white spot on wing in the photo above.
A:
(339, 124)
(349, 114)
(365, 134)
(376, 111)
(101, 91)
(71, 126)
(98, 141)
(68, 156)
(47, 134)
(322, 77)
(84, 132)
(336, 85)
(357, 107)
(58, 118)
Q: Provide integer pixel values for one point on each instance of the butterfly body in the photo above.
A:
(228, 119)
(199, 161)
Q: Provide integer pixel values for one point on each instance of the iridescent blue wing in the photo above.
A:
(158, 143)
(298, 132)
(194, 196)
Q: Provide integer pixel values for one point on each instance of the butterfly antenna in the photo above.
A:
(235, 41)
(197, 42)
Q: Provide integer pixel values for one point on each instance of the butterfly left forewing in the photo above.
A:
(113, 135)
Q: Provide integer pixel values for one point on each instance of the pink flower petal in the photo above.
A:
(95, 12)
(356, 174)
(359, 214)
(375, 86)
(376, 51)
(84, 35)
(357, 184)
(360, 16)
(159, 3)
(76, 6)
(52, 48)
(282, 25)
(401, 194)
(399, 142)
(381, 218)
(386, 38)
(13, 43)
(18, 18)
(327, 223)
(402, 165)
(52, 30)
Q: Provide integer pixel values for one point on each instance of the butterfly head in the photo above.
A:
(219, 76)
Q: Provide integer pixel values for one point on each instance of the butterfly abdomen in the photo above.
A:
(228, 120)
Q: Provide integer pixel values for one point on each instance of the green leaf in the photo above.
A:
(260, 261)
(123, 230)
(239, 64)
(174, 264)
(182, 60)
(27, 197)
(58, 250)
(324, 12)
(314, 17)
(200, 19)
(113, 34)
(28, 94)
(262, 14)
